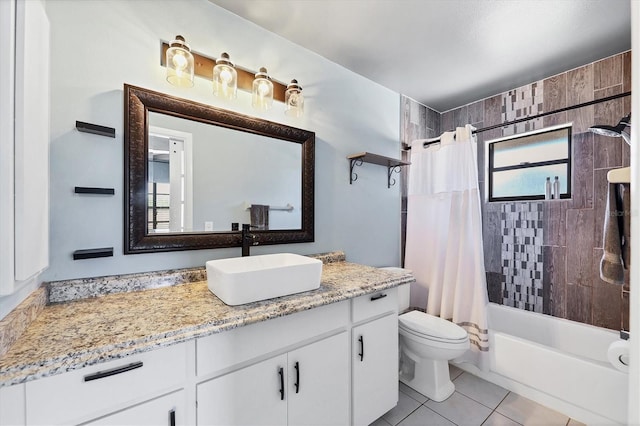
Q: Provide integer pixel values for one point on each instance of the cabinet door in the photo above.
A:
(375, 369)
(319, 383)
(31, 153)
(24, 142)
(166, 410)
(255, 395)
(7, 87)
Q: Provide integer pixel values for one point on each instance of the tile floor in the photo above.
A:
(475, 402)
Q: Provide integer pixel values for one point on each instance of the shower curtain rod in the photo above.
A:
(406, 147)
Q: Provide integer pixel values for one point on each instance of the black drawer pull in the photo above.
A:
(112, 372)
(172, 417)
(297, 383)
(361, 354)
(378, 296)
(281, 373)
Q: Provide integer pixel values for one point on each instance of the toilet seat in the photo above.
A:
(432, 328)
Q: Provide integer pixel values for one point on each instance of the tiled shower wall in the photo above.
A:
(544, 256)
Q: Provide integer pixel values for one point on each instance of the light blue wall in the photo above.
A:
(97, 46)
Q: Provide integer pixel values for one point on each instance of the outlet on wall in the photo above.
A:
(208, 226)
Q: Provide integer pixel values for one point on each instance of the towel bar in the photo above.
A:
(288, 207)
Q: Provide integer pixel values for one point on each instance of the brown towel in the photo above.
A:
(617, 226)
(260, 217)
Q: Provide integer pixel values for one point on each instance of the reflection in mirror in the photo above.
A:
(194, 173)
(205, 178)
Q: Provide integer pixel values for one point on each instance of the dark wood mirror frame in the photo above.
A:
(138, 103)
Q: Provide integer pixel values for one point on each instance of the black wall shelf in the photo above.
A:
(392, 165)
(93, 253)
(95, 129)
(99, 191)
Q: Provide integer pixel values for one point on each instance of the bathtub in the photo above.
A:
(559, 363)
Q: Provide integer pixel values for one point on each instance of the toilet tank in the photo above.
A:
(403, 290)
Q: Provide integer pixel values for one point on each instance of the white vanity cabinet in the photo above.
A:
(335, 364)
(374, 343)
(289, 370)
(307, 386)
(127, 387)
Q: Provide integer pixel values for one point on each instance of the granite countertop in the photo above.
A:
(71, 335)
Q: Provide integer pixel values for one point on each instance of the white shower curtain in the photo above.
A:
(444, 237)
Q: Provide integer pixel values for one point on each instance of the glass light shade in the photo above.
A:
(225, 78)
(179, 62)
(293, 100)
(262, 91)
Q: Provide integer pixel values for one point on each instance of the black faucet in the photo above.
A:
(248, 239)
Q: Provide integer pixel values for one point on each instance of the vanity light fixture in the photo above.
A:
(179, 61)
(293, 100)
(262, 91)
(225, 78)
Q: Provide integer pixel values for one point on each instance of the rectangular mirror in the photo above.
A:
(192, 171)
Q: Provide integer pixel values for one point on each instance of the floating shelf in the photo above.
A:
(99, 191)
(392, 165)
(93, 253)
(95, 129)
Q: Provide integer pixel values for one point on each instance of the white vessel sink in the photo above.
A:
(241, 280)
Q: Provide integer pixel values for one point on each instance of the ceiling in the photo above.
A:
(447, 53)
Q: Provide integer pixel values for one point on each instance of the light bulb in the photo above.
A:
(225, 75)
(263, 88)
(179, 63)
(294, 100)
(225, 78)
(262, 97)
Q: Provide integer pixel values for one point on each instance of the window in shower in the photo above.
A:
(518, 166)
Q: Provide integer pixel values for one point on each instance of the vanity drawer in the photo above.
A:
(224, 350)
(90, 392)
(374, 304)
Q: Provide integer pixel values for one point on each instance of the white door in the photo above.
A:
(319, 383)
(177, 185)
(166, 410)
(374, 347)
(255, 395)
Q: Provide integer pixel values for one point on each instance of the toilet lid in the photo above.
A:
(429, 325)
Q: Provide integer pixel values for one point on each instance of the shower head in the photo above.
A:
(615, 131)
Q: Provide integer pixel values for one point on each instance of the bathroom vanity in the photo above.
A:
(178, 355)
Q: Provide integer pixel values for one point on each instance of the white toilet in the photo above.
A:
(427, 343)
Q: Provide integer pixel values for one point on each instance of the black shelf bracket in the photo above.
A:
(392, 165)
(98, 191)
(93, 253)
(352, 163)
(95, 129)
(391, 181)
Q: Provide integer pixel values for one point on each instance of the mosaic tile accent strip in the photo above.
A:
(522, 260)
(522, 102)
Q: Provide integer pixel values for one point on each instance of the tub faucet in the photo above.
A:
(248, 239)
